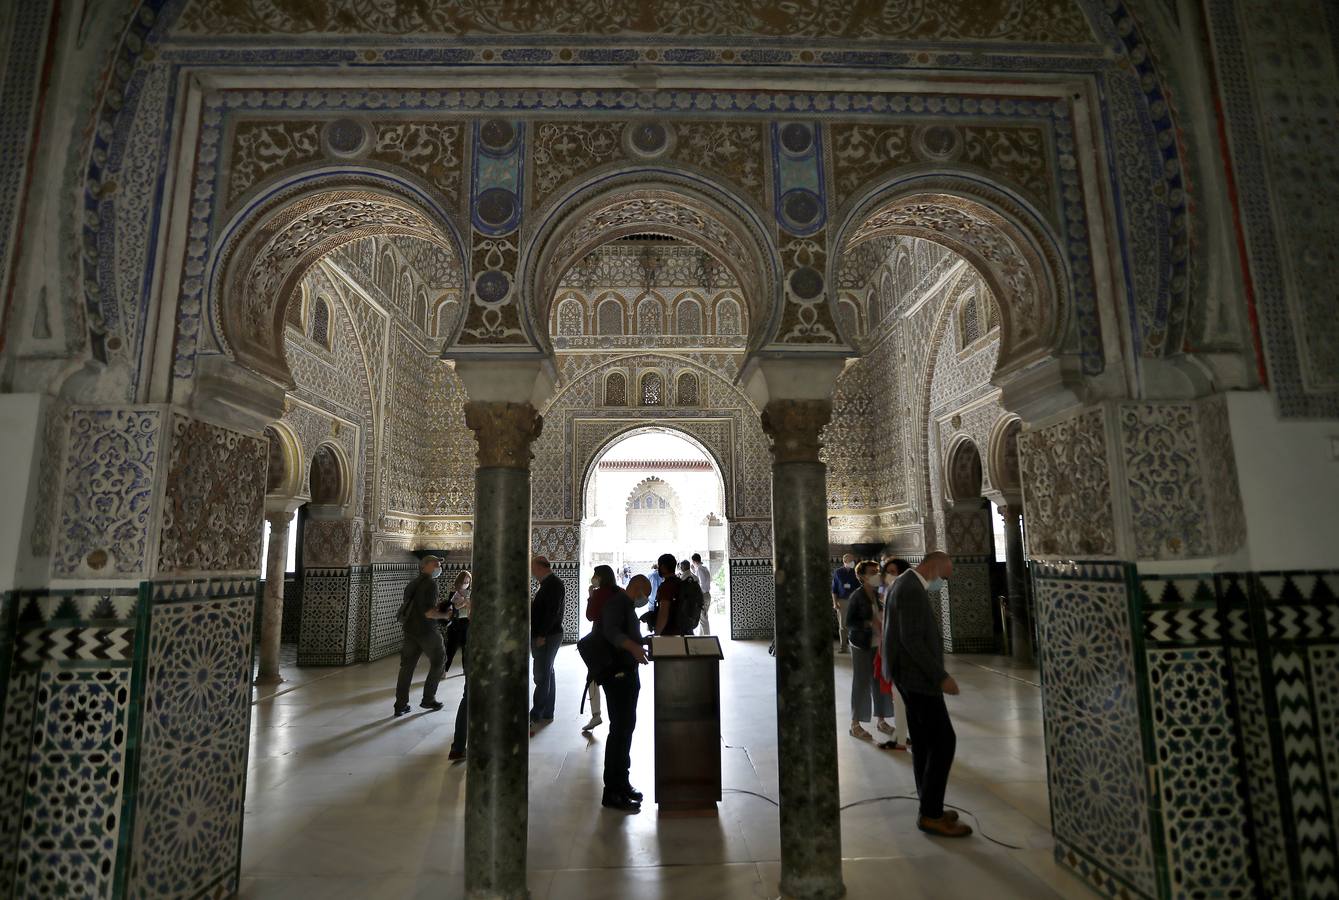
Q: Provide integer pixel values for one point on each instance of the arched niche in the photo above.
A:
(266, 251)
(963, 472)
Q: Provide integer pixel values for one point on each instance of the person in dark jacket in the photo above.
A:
(844, 583)
(914, 662)
(421, 635)
(667, 597)
(546, 636)
(622, 685)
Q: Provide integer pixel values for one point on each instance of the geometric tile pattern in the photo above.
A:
(197, 716)
(328, 629)
(1200, 770)
(968, 617)
(752, 599)
(67, 719)
(1099, 791)
(388, 583)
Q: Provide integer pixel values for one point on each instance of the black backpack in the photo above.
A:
(689, 605)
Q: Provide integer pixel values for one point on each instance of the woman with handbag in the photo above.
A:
(864, 629)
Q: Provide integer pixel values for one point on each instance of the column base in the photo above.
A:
(267, 680)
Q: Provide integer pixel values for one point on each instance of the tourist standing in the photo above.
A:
(891, 569)
(914, 662)
(546, 636)
(601, 589)
(703, 576)
(667, 597)
(844, 581)
(458, 628)
(864, 627)
(421, 635)
(622, 685)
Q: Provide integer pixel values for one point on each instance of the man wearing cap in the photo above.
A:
(421, 635)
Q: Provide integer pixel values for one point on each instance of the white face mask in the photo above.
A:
(873, 580)
(436, 573)
(935, 584)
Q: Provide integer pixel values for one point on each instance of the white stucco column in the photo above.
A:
(280, 516)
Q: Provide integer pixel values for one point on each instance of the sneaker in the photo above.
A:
(892, 745)
(400, 711)
(433, 705)
(886, 728)
(943, 827)
(595, 722)
(858, 732)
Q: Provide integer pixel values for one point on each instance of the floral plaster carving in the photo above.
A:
(111, 459)
(327, 543)
(1067, 488)
(1011, 20)
(214, 501)
(1163, 482)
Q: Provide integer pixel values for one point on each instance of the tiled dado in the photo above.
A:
(752, 599)
(123, 739)
(338, 609)
(967, 619)
(1192, 729)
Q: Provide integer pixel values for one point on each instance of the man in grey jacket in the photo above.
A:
(913, 660)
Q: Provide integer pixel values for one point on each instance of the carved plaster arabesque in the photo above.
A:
(795, 427)
(260, 268)
(505, 432)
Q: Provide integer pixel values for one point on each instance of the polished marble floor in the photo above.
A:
(345, 802)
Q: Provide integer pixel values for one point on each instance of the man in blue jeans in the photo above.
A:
(546, 636)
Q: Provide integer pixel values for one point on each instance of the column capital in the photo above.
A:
(794, 427)
(504, 431)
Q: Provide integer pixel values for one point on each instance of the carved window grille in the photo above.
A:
(969, 321)
(616, 390)
(688, 393)
(320, 322)
(727, 317)
(689, 317)
(650, 317)
(386, 274)
(653, 389)
(570, 317)
(609, 318)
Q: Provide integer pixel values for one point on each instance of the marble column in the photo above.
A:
(272, 609)
(811, 865)
(499, 675)
(1020, 622)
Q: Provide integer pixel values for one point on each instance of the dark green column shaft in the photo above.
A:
(806, 722)
(496, 793)
(1020, 623)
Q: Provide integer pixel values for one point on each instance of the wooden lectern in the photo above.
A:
(688, 724)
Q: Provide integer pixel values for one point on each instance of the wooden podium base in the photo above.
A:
(686, 811)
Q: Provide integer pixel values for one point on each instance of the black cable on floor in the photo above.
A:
(979, 830)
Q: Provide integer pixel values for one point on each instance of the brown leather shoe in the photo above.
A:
(943, 827)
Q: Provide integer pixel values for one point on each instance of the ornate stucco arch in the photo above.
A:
(999, 234)
(722, 464)
(269, 246)
(678, 204)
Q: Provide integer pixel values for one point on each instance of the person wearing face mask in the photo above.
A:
(914, 661)
(864, 629)
(620, 626)
(892, 568)
(421, 635)
(458, 628)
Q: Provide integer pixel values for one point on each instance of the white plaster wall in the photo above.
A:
(1289, 479)
(20, 442)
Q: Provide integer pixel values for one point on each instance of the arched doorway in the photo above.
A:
(654, 490)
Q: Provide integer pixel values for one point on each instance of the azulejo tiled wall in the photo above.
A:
(328, 636)
(968, 626)
(125, 721)
(752, 599)
(1191, 729)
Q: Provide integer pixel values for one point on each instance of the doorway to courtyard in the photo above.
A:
(650, 491)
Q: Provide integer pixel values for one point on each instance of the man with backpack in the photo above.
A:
(612, 652)
(678, 602)
(421, 635)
